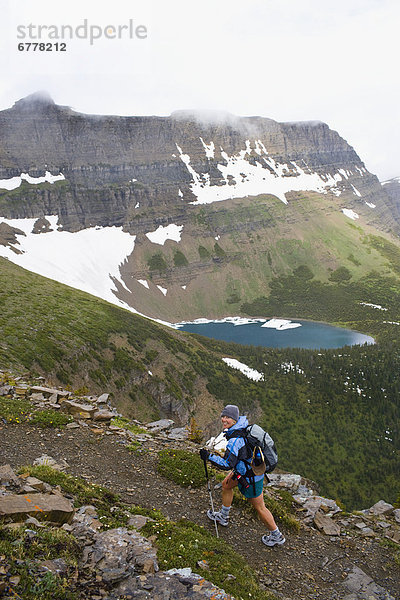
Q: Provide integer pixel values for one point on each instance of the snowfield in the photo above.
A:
(162, 234)
(377, 306)
(250, 373)
(240, 178)
(350, 213)
(73, 258)
(14, 182)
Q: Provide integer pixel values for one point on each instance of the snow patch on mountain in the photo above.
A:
(377, 306)
(246, 370)
(15, 182)
(73, 258)
(144, 283)
(350, 213)
(162, 290)
(355, 191)
(241, 178)
(208, 148)
(162, 234)
(396, 179)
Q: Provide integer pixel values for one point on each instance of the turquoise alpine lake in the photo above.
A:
(277, 333)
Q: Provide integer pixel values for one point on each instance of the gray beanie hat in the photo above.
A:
(231, 411)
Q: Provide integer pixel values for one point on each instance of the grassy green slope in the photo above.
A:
(82, 341)
(258, 239)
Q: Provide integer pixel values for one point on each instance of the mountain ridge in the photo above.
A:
(234, 196)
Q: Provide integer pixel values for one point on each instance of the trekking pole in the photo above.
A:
(211, 498)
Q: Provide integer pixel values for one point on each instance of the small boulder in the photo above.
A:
(394, 535)
(5, 390)
(103, 399)
(45, 507)
(47, 392)
(49, 461)
(103, 415)
(138, 521)
(85, 411)
(8, 477)
(57, 566)
(36, 484)
(326, 524)
(381, 508)
(362, 585)
(118, 553)
(314, 503)
(179, 434)
(161, 425)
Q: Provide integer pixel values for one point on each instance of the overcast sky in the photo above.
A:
(289, 60)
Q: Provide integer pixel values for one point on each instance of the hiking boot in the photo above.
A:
(273, 540)
(216, 516)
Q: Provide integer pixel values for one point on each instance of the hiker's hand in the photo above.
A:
(204, 454)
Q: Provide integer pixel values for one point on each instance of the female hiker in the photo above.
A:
(250, 486)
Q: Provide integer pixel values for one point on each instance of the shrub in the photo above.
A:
(195, 433)
(203, 253)
(83, 492)
(124, 423)
(136, 447)
(303, 272)
(24, 546)
(219, 252)
(157, 262)
(184, 544)
(233, 298)
(354, 260)
(180, 259)
(15, 410)
(340, 275)
(281, 508)
(50, 418)
(181, 466)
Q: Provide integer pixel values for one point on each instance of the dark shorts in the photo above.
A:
(249, 492)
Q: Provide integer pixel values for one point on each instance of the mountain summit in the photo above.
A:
(34, 101)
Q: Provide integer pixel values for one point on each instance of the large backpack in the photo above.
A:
(255, 439)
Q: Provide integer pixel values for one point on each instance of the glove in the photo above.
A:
(204, 454)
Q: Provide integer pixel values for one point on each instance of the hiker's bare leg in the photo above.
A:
(263, 512)
(227, 489)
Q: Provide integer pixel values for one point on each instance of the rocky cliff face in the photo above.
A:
(392, 189)
(186, 170)
(98, 151)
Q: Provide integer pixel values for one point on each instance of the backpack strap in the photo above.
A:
(249, 475)
(236, 433)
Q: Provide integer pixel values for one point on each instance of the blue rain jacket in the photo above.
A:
(230, 459)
